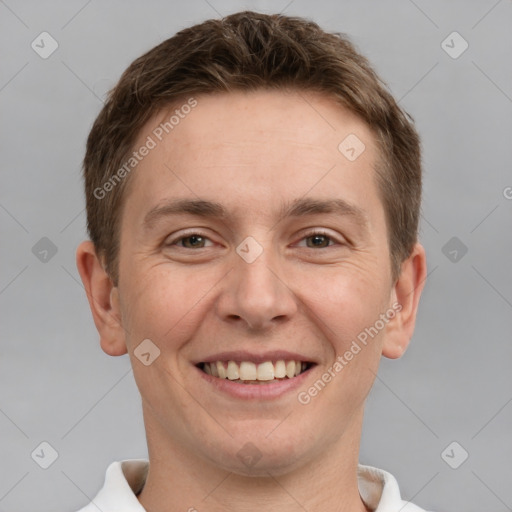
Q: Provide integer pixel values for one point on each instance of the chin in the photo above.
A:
(260, 458)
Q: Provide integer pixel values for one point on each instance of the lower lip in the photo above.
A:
(273, 389)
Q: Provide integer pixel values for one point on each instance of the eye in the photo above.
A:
(318, 240)
(191, 241)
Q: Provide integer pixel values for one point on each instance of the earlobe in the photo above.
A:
(103, 299)
(406, 293)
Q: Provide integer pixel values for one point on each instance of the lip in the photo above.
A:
(256, 358)
(272, 390)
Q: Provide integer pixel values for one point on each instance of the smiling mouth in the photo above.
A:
(247, 372)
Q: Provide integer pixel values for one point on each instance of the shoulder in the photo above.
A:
(380, 491)
(123, 480)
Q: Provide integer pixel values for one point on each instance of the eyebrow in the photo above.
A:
(298, 208)
(310, 206)
(198, 207)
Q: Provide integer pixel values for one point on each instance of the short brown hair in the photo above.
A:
(243, 52)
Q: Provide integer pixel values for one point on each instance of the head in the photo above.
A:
(253, 190)
(246, 52)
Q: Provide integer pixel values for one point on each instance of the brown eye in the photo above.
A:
(192, 241)
(318, 240)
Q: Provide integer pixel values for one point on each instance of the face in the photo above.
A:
(248, 236)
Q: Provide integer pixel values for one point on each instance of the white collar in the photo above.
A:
(125, 479)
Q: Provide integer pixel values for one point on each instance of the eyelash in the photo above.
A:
(310, 234)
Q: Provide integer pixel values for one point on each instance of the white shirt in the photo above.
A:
(125, 479)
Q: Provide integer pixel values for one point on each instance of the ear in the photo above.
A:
(103, 299)
(406, 296)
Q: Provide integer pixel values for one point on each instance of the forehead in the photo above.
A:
(263, 145)
(253, 118)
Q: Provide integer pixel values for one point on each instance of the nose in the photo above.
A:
(255, 295)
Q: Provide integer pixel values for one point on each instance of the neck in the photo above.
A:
(179, 480)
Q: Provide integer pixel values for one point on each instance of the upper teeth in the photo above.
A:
(246, 370)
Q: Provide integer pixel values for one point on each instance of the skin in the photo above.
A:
(252, 153)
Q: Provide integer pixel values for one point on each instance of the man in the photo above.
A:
(253, 197)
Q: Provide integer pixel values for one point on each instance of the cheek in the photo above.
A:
(344, 302)
(165, 305)
(345, 307)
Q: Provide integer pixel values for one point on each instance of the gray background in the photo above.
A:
(453, 384)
